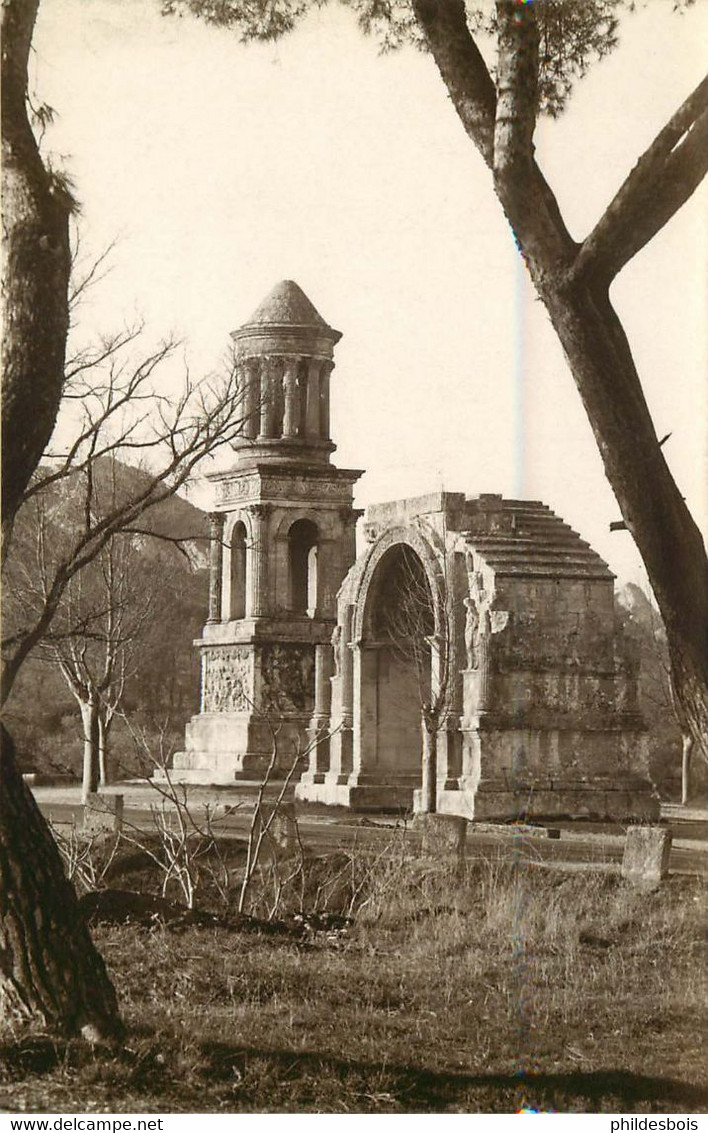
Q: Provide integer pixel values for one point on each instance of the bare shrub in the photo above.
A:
(87, 858)
(189, 852)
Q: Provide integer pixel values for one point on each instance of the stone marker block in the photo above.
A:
(282, 832)
(443, 834)
(646, 855)
(103, 814)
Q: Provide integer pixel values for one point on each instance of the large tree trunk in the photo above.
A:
(36, 266)
(653, 509)
(573, 280)
(50, 971)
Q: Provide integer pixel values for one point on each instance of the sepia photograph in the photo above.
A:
(354, 739)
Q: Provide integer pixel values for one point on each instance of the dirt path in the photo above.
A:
(565, 845)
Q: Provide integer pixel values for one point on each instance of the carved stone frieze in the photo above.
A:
(299, 488)
(226, 679)
(288, 674)
(227, 490)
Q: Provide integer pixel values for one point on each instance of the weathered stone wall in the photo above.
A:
(542, 713)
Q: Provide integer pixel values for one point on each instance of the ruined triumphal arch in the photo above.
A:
(490, 615)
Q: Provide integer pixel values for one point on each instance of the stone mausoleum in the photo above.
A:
(491, 615)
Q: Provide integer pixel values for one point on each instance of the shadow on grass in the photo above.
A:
(254, 1080)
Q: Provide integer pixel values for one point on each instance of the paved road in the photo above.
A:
(597, 846)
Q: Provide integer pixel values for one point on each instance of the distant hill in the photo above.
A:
(41, 712)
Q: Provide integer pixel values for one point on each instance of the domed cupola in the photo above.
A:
(284, 357)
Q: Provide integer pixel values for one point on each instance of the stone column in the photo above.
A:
(291, 415)
(313, 398)
(346, 697)
(256, 573)
(325, 372)
(252, 389)
(319, 727)
(346, 542)
(328, 578)
(347, 675)
(216, 558)
(365, 661)
(323, 673)
(268, 378)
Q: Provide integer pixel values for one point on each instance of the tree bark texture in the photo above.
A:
(35, 277)
(91, 761)
(104, 727)
(573, 281)
(429, 778)
(50, 971)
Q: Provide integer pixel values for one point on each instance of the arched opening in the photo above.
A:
(237, 605)
(302, 563)
(396, 660)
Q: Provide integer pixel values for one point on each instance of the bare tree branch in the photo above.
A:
(80, 282)
(464, 72)
(663, 179)
(179, 436)
(531, 207)
(517, 93)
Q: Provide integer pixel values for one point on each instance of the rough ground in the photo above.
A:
(481, 988)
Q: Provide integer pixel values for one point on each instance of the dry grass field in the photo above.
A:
(484, 987)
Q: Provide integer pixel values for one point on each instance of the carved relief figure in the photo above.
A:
(288, 678)
(471, 628)
(336, 640)
(225, 681)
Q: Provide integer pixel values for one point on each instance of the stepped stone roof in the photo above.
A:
(287, 305)
(524, 537)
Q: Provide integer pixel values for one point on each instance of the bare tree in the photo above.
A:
(109, 610)
(97, 659)
(123, 414)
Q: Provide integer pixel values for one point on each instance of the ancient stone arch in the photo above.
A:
(409, 536)
(540, 715)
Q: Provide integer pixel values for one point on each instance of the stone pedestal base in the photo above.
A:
(613, 800)
(224, 747)
(360, 792)
(550, 773)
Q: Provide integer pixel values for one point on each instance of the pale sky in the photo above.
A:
(221, 169)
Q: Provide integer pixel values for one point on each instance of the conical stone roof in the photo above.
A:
(288, 305)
